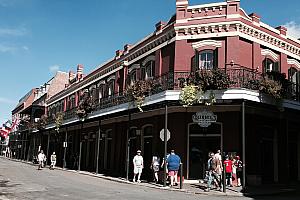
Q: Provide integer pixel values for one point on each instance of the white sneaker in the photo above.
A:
(138, 181)
(134, 180)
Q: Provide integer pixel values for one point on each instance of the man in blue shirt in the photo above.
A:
(173, 163)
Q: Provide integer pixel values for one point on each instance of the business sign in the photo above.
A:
(204, 118)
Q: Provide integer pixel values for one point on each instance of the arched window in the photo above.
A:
(269, 65)
(206, 59)
(293, 73)
(132, 77)
(148, 71)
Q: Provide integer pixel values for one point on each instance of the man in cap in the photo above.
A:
(138, 165)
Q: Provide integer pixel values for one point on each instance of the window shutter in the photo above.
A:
(276, 67)
(215, 59)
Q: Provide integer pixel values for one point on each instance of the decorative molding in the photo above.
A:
(293, 62)
(133, 67)
(112, 77)
(268, 52)
(204, 43)
(149, 58)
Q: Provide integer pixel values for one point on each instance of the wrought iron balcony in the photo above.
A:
(240, 77)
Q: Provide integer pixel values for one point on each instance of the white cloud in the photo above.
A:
(7, 101)
(54, 68)
(7, 48)
(13, 31)
(293, 29)
(26, 48)
(6, 3)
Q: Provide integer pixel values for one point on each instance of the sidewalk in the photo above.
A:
(194, 188)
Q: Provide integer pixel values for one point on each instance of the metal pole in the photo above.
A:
(224, 178)
(65, 148)
(181, 174)
(244, 143)
(79, 161)
(48, 144)
(128, 145)
(98, 147)
(165, 145)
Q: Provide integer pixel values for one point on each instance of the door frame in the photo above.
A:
(200, 135)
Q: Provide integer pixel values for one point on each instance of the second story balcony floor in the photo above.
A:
(230, 82)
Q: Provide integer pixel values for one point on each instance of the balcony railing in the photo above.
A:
(240, 77)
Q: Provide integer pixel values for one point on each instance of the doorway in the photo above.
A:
(201, 141)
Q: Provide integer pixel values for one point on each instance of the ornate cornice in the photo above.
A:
(204, 43)
(294, 63)
(270, 53)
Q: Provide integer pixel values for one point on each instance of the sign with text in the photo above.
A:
(204, 118)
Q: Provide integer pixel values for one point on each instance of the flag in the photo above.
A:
(8, 127)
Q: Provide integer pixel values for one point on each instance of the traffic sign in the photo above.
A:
(162, 134)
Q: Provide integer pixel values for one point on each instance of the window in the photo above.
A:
(148, 70)
(206, 59)
(111, 87)
(132, 77)
(269, 66)
(292, 75)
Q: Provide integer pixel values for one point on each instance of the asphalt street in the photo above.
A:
(23, 181)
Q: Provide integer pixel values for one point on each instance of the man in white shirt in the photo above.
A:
(138, 165)
(41, 159)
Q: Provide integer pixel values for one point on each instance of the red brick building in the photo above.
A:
(201, 37)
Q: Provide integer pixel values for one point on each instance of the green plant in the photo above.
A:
(85, 106)
(59, 118)
(41, 123)
(190, 94)
(271, 87)
(138, 91)
(215, 79)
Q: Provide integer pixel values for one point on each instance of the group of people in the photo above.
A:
(42, 159)
(172, 161)
(233, 170)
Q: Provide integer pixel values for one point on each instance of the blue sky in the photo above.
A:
(38, 37)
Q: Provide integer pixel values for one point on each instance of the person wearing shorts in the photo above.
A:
(138, 165)
(173, 163)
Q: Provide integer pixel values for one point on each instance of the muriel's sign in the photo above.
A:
(204, 118)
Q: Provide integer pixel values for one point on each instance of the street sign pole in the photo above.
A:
(165, 144)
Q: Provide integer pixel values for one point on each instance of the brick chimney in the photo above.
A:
(79, 72)
(282, 30)
(181, 9)
(127, 47)
(119, 53)
(160, 25)
(255, 17)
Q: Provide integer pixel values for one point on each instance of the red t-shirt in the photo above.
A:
(228, 166)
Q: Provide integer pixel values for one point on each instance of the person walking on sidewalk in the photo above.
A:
(213, 176)
(155, 167)
(41, 159)
(138, 165)
(173, 163)
(53, 161)
(239, 170)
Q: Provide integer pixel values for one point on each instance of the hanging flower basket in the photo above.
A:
(85, 106)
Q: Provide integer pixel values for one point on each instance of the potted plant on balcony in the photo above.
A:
(190, 94)
(85, 106)
(271, 87)
(59, 118)
(138, 91)
(41, 123)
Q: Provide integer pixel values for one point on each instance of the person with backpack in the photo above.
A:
(239, 170)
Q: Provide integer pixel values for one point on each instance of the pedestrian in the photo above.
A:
(41, 159)
(213, 176)
(138, 165)
(155, 167)
(53, 160)
(239, 170)
(228, 170)
(173, 163)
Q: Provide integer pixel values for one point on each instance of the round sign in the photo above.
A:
(162, 134)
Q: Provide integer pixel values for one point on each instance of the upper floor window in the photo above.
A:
(148, 71)
(269, 66)
(132, 77)
(293, 73)
(206, 59)
(111, 87)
